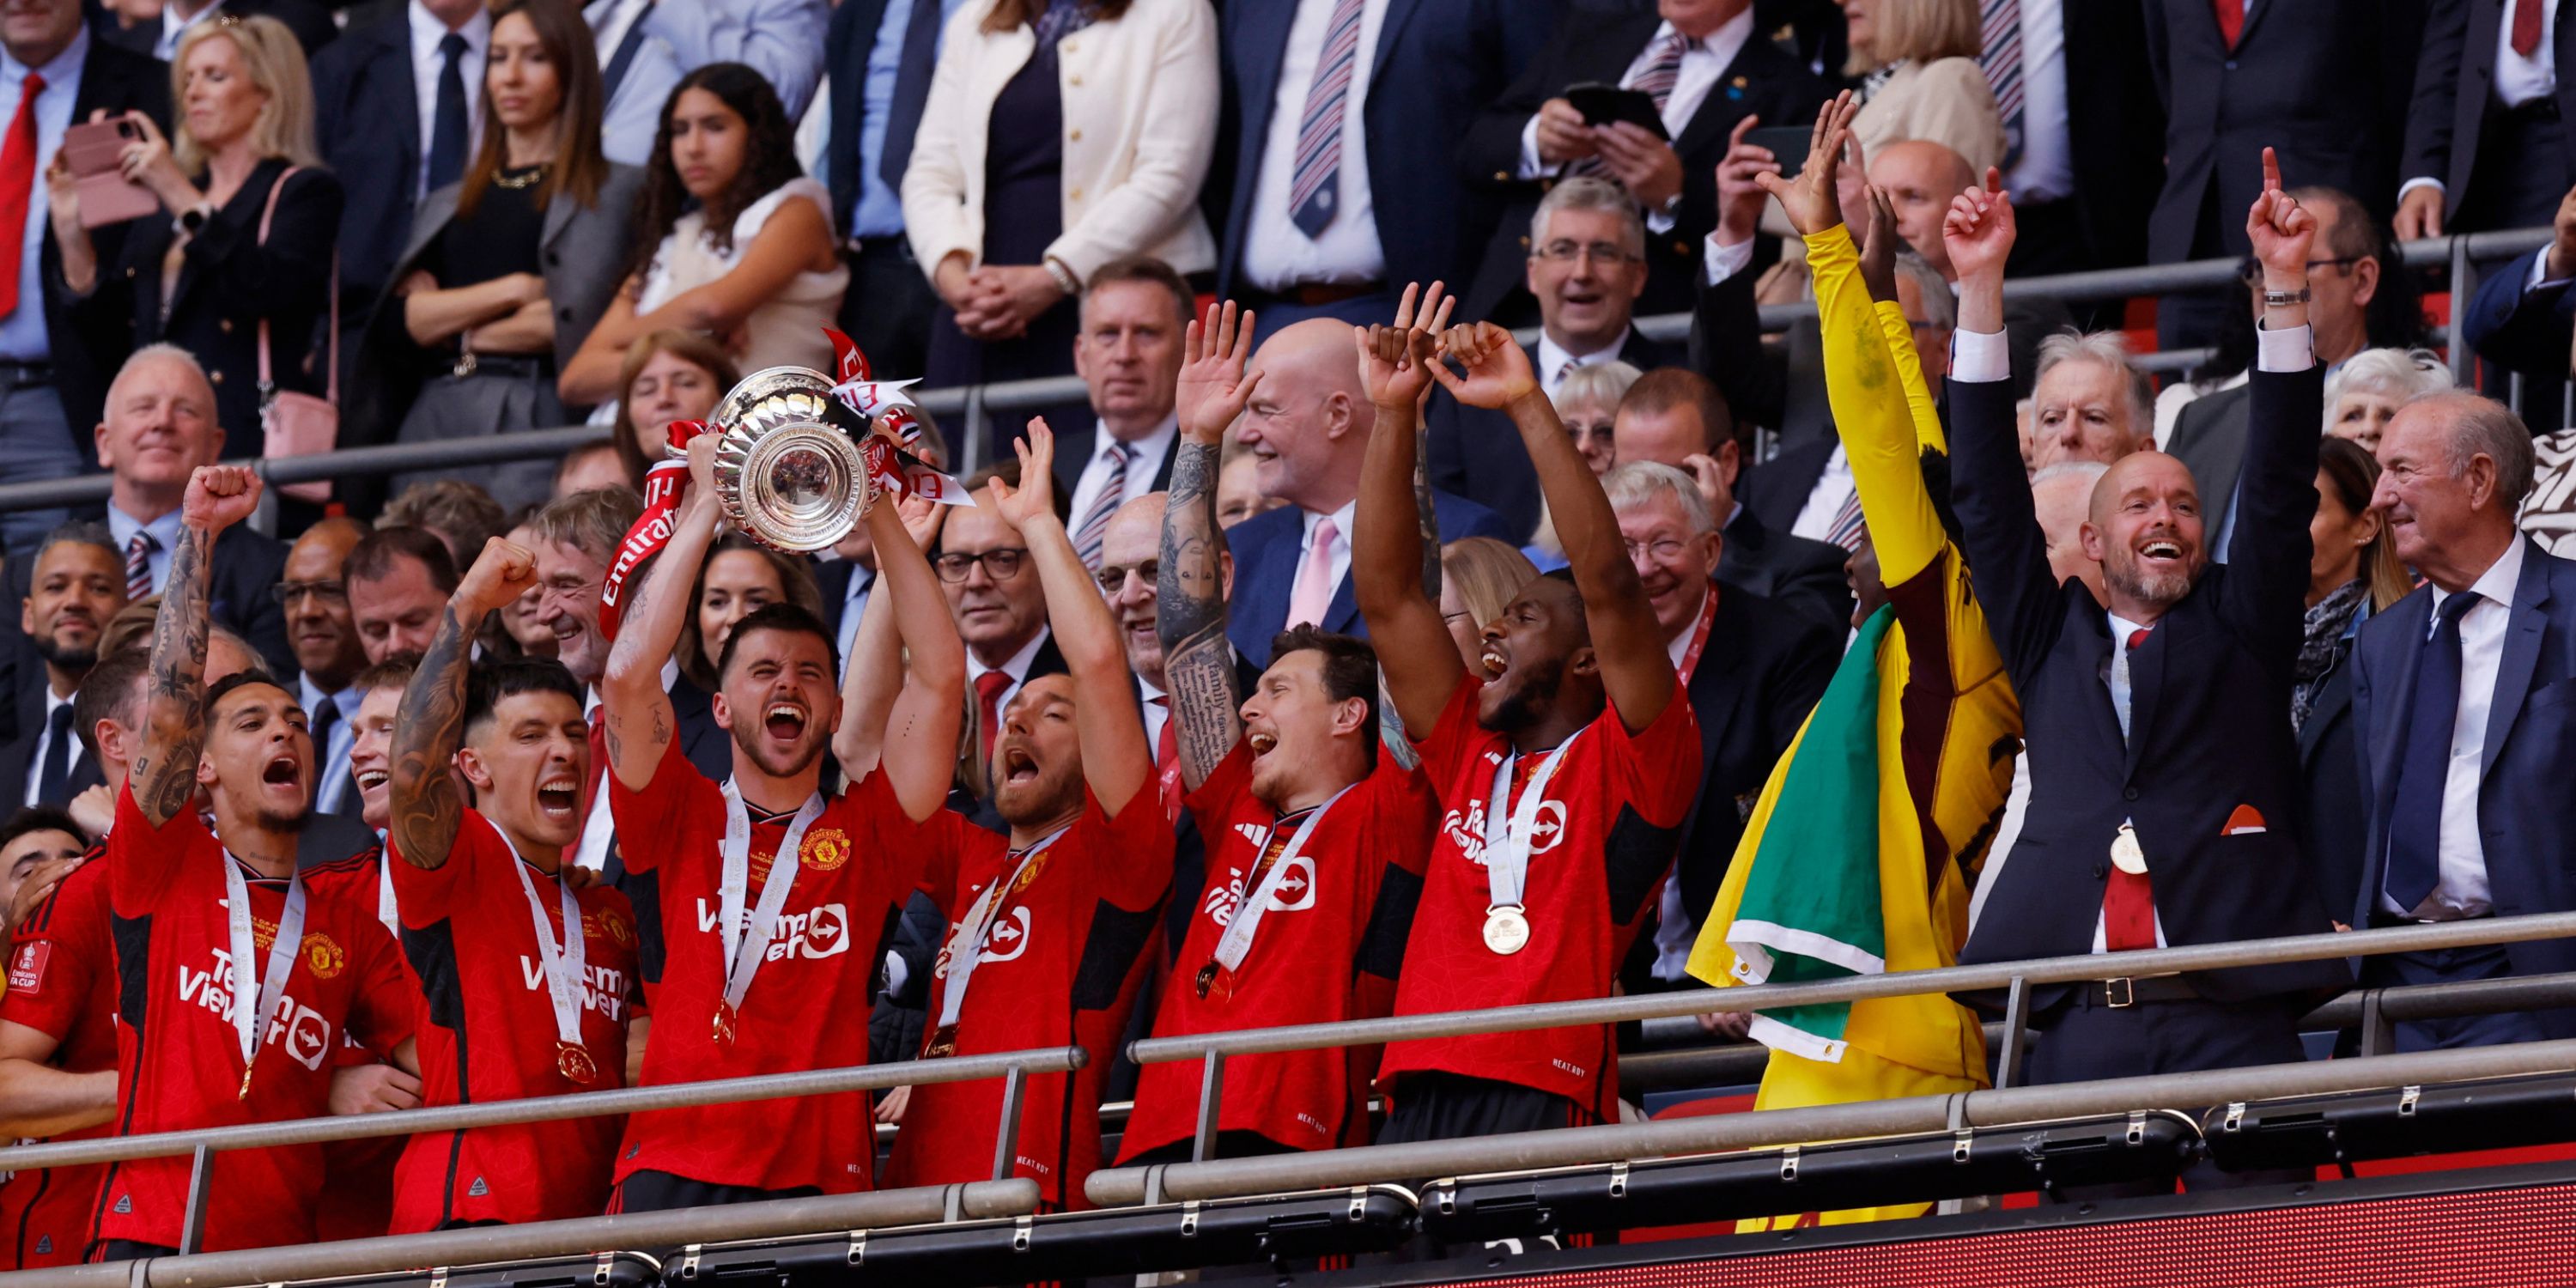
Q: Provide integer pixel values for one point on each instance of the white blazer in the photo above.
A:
(1140, 108)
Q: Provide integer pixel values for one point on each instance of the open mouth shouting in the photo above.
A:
(370, 781)
(1494, 662)
(1017, 767)
(2160, 554)
(783, 722)
(559, 797)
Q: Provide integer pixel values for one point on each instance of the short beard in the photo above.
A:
(77, 661)
(1528, 701)
(2123, 578)
(286, 824)
(746, 747)
(1042, 802)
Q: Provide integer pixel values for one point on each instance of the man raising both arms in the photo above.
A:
(525, 972)
(756, 964)
(1049, 927)
(1564, 770)
(1316, 841)
(241, 976)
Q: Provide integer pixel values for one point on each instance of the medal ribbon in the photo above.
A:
(666, 483)
(1699, 634)
(250, 1018)
(564, 966)
(743, 952)
(1507, 859)
(966, 945)
(1236, 943)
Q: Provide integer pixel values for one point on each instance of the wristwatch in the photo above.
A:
(2283, 299)
(193, 219)
(1065, 281)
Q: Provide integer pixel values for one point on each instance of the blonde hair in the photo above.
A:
(283, 129)
(1488, 573)
(1922, 31)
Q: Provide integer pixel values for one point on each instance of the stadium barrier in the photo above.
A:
(970, 408)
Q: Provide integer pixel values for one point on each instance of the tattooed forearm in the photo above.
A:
(165, 775)
(428, 728)
(1190, 617)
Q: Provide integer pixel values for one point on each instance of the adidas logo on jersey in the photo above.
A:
(478, 1189)
(44, 1244)
(124, 1205)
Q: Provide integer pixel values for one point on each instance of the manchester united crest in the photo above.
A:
(826, 848)
(322, 956)
(615, 927)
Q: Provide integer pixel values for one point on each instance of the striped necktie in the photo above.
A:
(1656, 79)
(138, 564)
(1113, 493)
(2001, 62)
(1315, 181)
(1848, 525)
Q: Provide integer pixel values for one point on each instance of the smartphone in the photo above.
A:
(1788, 144)
(1608, 104)
(90, 151)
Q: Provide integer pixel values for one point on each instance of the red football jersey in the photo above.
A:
(490, 1036)
(807, 1008)
(1327, 949)
(1607, 824)
(178, 1060)
(1067, 953)
(62, 983)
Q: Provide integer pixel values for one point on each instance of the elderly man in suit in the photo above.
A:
(1417, 72)
(2453, 703)
(2164, 778)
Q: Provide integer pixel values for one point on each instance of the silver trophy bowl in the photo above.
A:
(786, 475)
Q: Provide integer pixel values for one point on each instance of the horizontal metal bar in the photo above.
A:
(1575, 1146)
(1993, 975)
(538, 1109)
(639, 1231)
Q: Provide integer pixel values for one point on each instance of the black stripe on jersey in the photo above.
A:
(40, 919)
(1390, 924)
(432, 953)
(133, 936)
(44, 1181)
(1118, 937)
(1635, 860)
(643, 891)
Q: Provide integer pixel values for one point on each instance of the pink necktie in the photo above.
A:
(1314, 594)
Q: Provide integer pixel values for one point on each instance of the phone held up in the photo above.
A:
(91, 151)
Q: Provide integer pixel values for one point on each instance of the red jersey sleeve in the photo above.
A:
(143, 861)
(58, 956)
(1658, 766)
(1455, 736)
(389, 1005)
(425, 895)
(1137, 845)
(926, 864)
(1222, 791)
(677, 794)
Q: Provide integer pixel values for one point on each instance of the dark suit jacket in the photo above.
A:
(2528, 332)
(1777, 490)
(367, 118)
(113, 80)
(1764, 668)
(1073, 452)
(1804, 576)
(2320, 81)
(329, 838)
(2524, 824)
(310, 22)
(851, 38)
(2331, 826)
(706, 745)
(2455, 88)
(2209, 436)
(1592, 44)
(2113, 127)
(1437, 62)
(1477, 453)
(228, 281)
(1266, 548)
(28, 710)
(2209, 728)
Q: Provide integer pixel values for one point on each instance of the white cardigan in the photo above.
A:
(1140, 108)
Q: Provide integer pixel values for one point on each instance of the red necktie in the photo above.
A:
(2128, 900)
(2526, 26)
(988, 701)
(17, 181)
(1167, 760)
(2231, 20)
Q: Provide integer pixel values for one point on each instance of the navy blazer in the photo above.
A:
(2332, 824)
(113, 80)
(1266, 548)
(2525, 331)
(2209, 737)
(367, 117)
(2525, 824)
(1438, 62)
(2454, 92)
(1477, 452)
(29, 709)
(1763, 670)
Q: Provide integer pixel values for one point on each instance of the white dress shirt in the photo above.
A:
(1278, 254)
(165, 537)
(22, 333)
(1145, 460)
(2046, 171)
(1825, 500)
(1157, 709)
(2461, 854)
(1017, 667)
(1555, 361)
(173, 27)
(331, 762)
(1341, 547)
(426, 64)
(1702, 65)
(45, 747)
(2518, 80)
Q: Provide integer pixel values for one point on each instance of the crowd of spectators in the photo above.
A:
(1089, 735)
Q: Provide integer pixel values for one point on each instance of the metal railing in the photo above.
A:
(970, 408)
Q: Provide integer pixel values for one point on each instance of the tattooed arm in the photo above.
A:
(164, 777)
(1190, 591)
(430, 724)
(638, 719)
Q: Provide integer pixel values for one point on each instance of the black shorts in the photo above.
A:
(1450, 1106)
(650, 1191)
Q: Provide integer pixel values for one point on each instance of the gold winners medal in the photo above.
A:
(1206, 978)
(1506, 930)
(244, 1094)
(724, 1030)
(2125, 854)
(575, 1064)
(943, 1042)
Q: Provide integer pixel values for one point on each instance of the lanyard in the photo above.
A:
(1507, 856)
(564, 966)
(386, 910)
(966, 947)
(1699, 634)
(743, 952)
(1236, 943)
(250, 1017)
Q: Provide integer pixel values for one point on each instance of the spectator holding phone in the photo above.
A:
(247, 248)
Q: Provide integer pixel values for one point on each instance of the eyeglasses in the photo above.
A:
(331, 592)
(1663, 549)
(1566, 251)
(1113, 577)
(1000, 565)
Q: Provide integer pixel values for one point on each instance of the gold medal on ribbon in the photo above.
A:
(2126, 854)
(1506, 930)
(724, 1029)
(574, 1063)
(943, 1042)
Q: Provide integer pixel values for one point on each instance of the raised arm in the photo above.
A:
(921, 732)
(639, 720)
(164, 778)
(1115, 759)
(1416, 658)
(430, 724)
(2267, 557)
(1636, 672)
(1189, 613)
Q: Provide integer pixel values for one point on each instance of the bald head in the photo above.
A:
(1130, 550)
(159, 426)
(2144, 527)
(1308, 422)
(1921, 177)
(319, 627)
(2061, 497)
